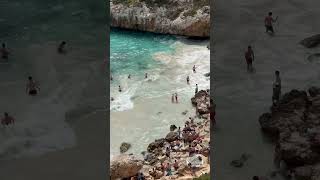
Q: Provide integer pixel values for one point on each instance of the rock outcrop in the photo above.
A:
(295, 125)
(201, 101)
(178, 17)
(311, 42)
(124, 166)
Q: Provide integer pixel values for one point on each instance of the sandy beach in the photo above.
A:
(242, 97)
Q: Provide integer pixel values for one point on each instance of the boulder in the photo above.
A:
(159, 143)
(172, 136)
(124, 166)
(173, 127)
(124, 147)
(311, 42)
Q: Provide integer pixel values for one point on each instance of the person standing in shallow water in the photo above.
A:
(32, 88)
(188, 80)
(196, 91)
(4, 52)
(276, 89)
(176, 96)
(268, 23)
(129, 76)
(146, 75)
(194, 69)
(7, 120)
(172, 98)
(249, 55)
(61, 47)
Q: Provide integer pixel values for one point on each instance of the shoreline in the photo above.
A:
(157, 152)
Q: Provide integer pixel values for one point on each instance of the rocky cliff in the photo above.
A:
(295, 125)
(179, 17)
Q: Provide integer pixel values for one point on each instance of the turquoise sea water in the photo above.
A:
(143, 111)
(131, 52)
(32, 31)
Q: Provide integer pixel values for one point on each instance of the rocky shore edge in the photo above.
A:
(176, 17)
(183, 154)
(294, 125)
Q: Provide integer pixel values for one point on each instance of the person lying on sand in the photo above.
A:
(32, 88)
(268, 23)
(4, 52)
(61, 47)
(7, 120)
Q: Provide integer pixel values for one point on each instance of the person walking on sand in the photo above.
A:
(176, 96)
(120, 90)
(146, 75)
(4, 52)
(188, 80)
(268, 23)
(32, 88)
(194, 68)
(61, 47)
(7, 120)
(249, 55)
(196, 90)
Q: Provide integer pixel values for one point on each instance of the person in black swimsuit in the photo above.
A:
(32, 89)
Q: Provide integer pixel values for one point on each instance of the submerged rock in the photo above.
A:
(125, 147)
(311, 42)
(173, 127)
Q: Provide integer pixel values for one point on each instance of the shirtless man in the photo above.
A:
(61, 47)
(7, 120)
(268, 23)
(4, 52)
(249, 55)
(32, 88)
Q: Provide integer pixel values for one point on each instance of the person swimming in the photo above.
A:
(32, 87)
(61, 47)
(7, 120)
(120, 90)
(4, 52)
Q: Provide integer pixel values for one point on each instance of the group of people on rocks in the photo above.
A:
(189, 143)
(249, 56)
(32, 87)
